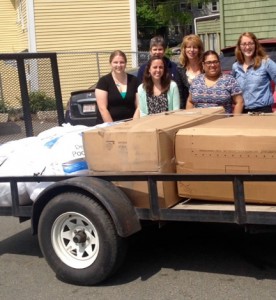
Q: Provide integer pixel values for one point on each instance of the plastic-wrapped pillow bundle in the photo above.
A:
(56, 151)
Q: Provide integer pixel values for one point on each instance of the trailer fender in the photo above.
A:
(106, 193)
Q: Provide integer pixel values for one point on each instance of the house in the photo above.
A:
(206, 22)
(71, 25)
(219, 23)
(76, 29)
(248, 15)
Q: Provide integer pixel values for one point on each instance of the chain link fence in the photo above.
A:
(80, 70)
(35, 87)
(30, 95)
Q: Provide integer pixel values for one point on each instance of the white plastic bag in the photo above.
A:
(17, 159)
(57, 151)
(66, 155)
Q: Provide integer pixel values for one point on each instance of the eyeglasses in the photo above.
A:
(209, 63)
(192, 47)
(250, 44)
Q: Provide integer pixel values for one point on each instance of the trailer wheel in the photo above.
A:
(79, 240)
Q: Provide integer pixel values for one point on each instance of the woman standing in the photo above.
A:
(116, 92)
(158, 93)
(254, 71)
(212, 88)
(189, 65)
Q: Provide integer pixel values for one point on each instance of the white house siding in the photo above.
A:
(81, 26)
(12, 28)
(23, 27)
(13, 32)
(209, 32)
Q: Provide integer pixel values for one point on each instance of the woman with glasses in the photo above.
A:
(254, 71)
(189, 65)
(213, 88)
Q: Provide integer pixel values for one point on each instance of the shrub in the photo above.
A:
(15, 114)
(39, 101)
(168, 53)
(3, 107)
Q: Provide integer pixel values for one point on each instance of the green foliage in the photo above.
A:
(147, 19)
(153, 15)
(15, 114)
(3, 107)
(168, 53)
(39, 101)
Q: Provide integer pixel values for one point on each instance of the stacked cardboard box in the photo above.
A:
(143, 145)
(243, 144)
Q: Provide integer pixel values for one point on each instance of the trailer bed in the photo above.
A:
(238, 212)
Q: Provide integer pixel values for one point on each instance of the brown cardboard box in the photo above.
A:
(143, 145)
(242, 144)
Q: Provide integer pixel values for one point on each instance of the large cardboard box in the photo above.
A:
(143, 145)
(242, 144)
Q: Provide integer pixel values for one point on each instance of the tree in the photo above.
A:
(157, 16)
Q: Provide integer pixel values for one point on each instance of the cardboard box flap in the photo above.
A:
(141, 145)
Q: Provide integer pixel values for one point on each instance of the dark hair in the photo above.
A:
(165, 79)
(259, 53)
(209, 52)
(157, 41)
(196, 42)
(117, 53)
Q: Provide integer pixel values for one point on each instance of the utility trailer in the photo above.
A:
(83, 222)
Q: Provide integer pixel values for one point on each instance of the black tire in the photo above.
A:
(79, 240)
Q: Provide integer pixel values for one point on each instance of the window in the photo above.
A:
(211, 41)
(199, 5)
(203, 38)
(19, 13)
(184, 5)
(214, 5)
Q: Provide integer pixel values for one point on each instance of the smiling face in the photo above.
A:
(211, 66)
(191, 51)
(156, 69)
(247, 47)
(118, 64)
(157, 50)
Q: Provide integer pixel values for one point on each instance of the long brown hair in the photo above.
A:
(259, 53)
(165, 79)
(196, 42)
(117, 53)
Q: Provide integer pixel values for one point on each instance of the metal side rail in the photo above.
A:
(208, 211)
(15, 208)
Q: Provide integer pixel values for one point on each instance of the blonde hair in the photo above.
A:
(196, 42)
(259, 53)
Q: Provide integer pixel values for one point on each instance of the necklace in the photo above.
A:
(120, 81)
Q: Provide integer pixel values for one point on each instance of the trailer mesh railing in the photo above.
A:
(30, 82)
(30, 95)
